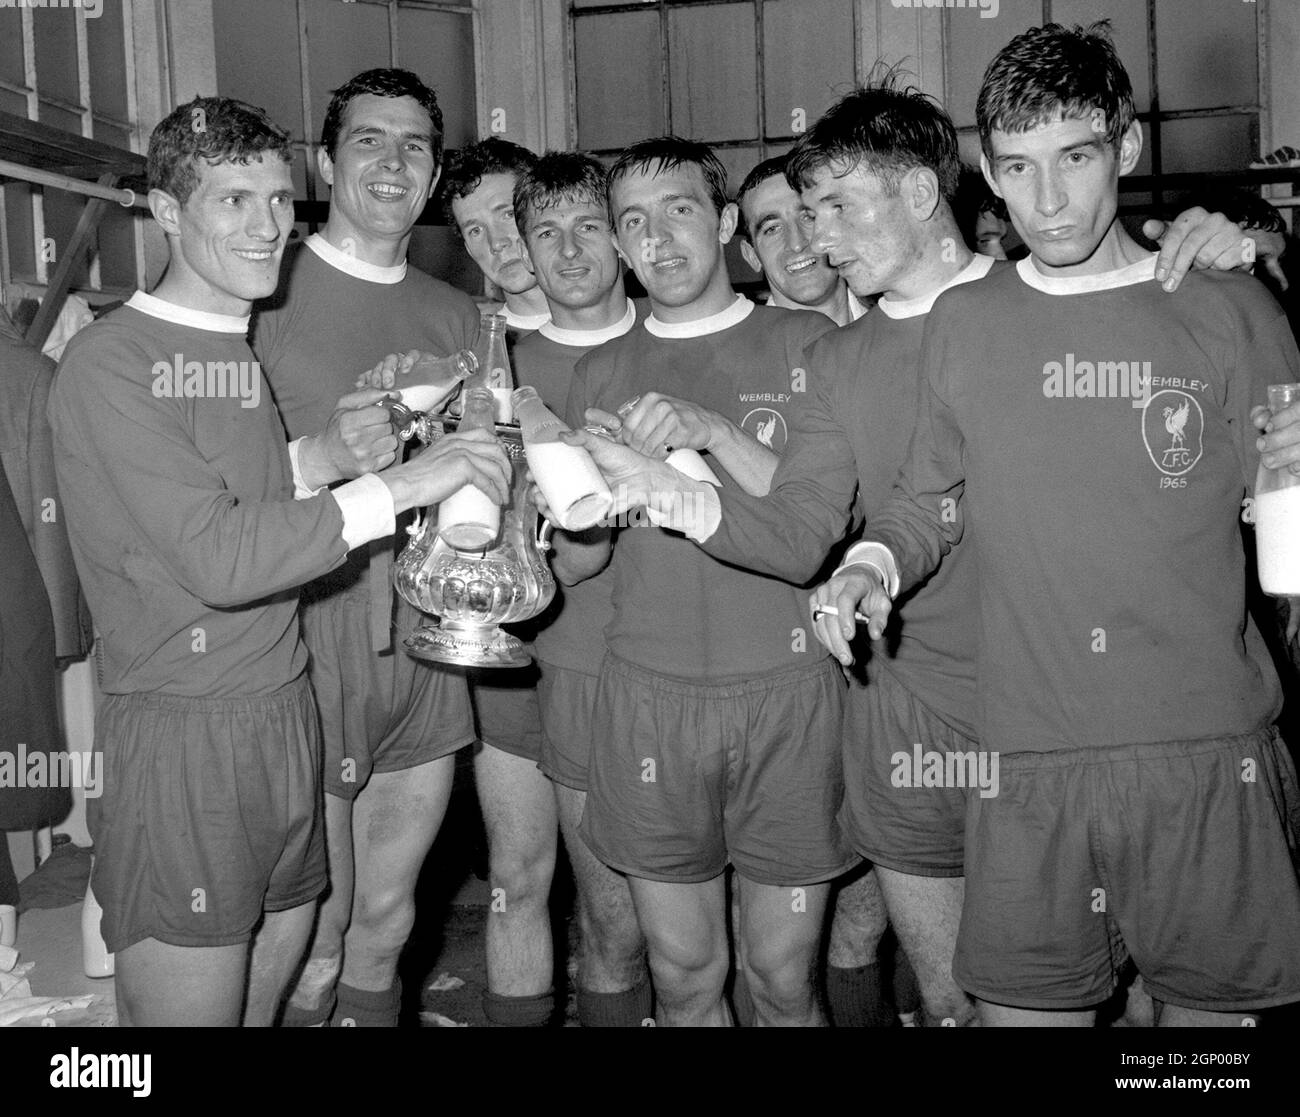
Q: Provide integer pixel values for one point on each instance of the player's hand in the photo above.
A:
(386, 372)
(1279, 444)
(358, 438)
(1197, 238)
(659, 424)
(471, 458)
(635, 479)
(855, 589)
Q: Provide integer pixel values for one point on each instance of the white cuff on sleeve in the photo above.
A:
(695, 511)
(300, 491)
(879, 558)
(367, 507)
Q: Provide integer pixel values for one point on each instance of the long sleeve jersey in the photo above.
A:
(572, 629)
(678, 610)
(850, 432)
(1097, 429)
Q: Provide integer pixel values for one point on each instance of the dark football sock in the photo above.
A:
(615, 1010)
(519, 1012)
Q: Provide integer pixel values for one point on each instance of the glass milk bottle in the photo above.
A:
(566, 474)
(96, 961)
(431, 380)
(1277, 514)
(469, 519)
(494, 364)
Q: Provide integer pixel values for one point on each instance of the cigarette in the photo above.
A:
(830, 610)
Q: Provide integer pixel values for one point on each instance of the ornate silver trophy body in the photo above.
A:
(473, 592)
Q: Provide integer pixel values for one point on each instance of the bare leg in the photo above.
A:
(278, 947)
(325, 962)
(1002, 1016)
(926, 912)
(685, 927)
(519, 812)
(394, 821)
(858, 923)
(1175, 1016)
(612, 959)
(781, 929)
(163, 986)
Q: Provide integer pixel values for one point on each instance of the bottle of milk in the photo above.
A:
(567, 476)
(1277, 514)
(469, 519)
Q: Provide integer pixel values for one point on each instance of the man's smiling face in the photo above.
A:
(572, 253)
(780, 235)
(383, 170)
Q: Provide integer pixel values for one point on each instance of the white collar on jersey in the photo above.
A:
(1141, 272)
(528, 322)
(187, 316)
(978, 268)
(350, 265)
(736, 313)
(856, 308)
(586, 339)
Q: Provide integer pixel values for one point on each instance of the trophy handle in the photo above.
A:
(544, 534)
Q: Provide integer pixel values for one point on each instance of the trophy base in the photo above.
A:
(467, 645)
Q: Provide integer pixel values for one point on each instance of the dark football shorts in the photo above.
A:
(688, 776)
(379, 712)
(890, 815)
(508, 711)
(210, 815)
(568, 702)
(1179, 854)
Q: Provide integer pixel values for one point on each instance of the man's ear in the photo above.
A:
(1130, 148)
(988, 175)
(325, 165)
(749, 255)
(526, 256)
(619, 249)
(727, 222)
(166, 211)
(923, 193)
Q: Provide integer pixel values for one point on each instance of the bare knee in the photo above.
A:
(520, 874)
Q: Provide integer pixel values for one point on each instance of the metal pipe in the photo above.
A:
(121, 195)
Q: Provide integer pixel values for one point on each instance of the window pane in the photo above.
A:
(56, 53)
(342, 40)
(714, 72)
(116, 247)
(11, 45)
(1129, 30)
(18, 228)
(439, 47)
(1206, 54)
(972, 43)
(257, 57)
(807, 60)
(107, 51)
(59, 118)
(14, 103)
(1216, 143)
(618, 79)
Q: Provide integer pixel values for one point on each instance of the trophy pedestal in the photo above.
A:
(467, 645)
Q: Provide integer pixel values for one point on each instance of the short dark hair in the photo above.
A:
(383, 82)
(768, 168)
(216, 130)
(1052, 72)
(891, 130)
(467, 165)
(558, 176)
(668, 153)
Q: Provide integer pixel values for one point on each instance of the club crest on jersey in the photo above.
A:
(1173, 426)
(767, 426)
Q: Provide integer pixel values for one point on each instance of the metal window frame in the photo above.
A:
(85, 109)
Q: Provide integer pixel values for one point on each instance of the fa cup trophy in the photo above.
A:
(471, 564)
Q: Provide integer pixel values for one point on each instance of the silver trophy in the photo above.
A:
(472, 593)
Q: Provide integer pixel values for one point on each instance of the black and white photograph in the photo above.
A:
(545, 514)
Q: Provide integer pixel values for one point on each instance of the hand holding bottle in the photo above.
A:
(426, 381)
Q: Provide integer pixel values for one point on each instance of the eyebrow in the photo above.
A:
(664, 199)
(1093, 143)
(376, 130)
